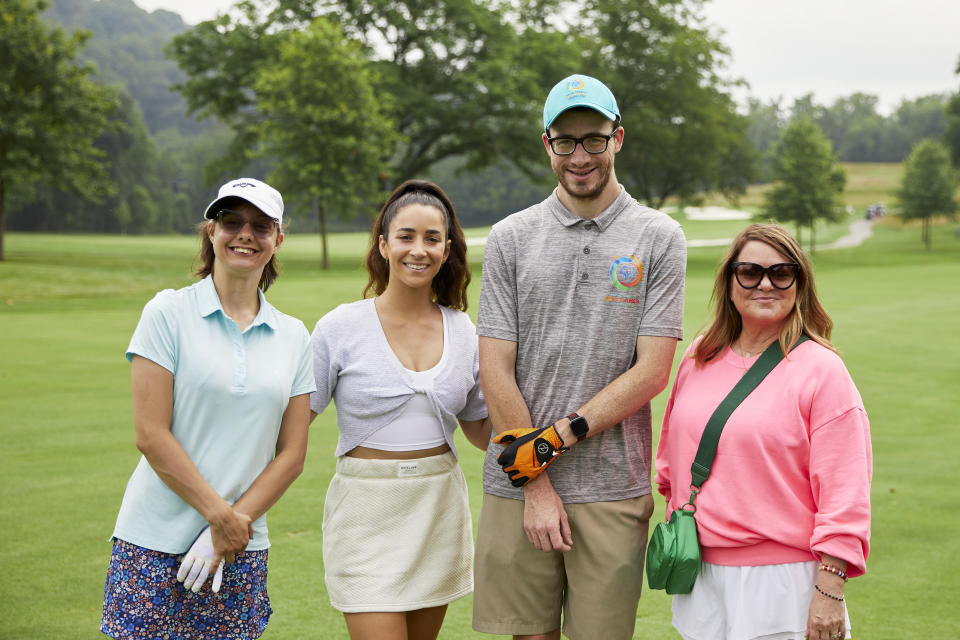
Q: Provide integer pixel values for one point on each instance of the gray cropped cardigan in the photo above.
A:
(355, 367)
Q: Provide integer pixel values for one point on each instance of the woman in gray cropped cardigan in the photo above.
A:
(402, 369)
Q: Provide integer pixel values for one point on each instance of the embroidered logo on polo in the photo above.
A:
(626, 272)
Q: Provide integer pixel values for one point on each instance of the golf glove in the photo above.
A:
(196, 565)
(528, 452)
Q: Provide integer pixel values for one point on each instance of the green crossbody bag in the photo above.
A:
(673, 555)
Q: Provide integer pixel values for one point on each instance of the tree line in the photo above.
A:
(853, 124)
(335, 101)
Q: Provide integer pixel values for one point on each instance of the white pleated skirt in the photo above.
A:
(768, 602)
(397, 534)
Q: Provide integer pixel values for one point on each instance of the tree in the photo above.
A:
(323, 124)
(853, 126)
(50, 112)
(766, 119)
(461, 81)
(807, 179)
(133, 169)
(927, 186)
(805, 107)
(182, 159)
(952, 135)
(464, 81)
(684, 134)
(467, 80)
(222, 59)
(913, 120)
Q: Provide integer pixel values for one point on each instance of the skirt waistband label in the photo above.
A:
(405, 469)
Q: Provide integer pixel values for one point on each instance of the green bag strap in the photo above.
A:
(707, 451)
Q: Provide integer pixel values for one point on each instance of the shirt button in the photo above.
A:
(584, 276)
(586, 249)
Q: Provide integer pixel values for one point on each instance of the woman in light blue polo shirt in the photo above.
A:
(221, 383)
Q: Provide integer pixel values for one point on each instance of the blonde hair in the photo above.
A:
(808, 317)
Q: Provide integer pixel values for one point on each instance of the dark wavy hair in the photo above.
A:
(450, 284)
(207, 258)
(807, 316)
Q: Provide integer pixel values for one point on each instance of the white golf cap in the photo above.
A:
(259, 194)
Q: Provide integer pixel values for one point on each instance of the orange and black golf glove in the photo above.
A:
(528, 452)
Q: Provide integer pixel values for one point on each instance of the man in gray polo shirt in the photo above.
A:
(581, 307)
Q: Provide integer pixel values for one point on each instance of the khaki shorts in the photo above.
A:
(519, 590)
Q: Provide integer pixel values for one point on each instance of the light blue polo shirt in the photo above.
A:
(230, 390)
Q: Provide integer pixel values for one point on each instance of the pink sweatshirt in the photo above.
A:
(791, 479)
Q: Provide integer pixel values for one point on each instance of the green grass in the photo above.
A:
(68, 305)
(867, 183)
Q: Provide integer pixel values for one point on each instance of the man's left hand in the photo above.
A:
(528, 452)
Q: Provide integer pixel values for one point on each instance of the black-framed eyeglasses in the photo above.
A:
(565, 145)
(233, 222)
(750, 274)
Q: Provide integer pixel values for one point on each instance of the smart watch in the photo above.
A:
(578, 425)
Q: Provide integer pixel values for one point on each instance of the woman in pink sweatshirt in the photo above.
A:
(784, 517)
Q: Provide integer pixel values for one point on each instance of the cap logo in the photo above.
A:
(575, 89)
(236, 185)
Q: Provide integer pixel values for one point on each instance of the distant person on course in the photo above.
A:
(402, 369)
(784, 516)
(221, 383)
(581, 307)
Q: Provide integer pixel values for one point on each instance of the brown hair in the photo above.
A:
(807, 316)
(450, 284)
(207, 257)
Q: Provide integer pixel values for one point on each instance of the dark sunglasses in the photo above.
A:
(750, 274)
(233, 222)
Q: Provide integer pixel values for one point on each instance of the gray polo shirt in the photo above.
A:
(574, 295)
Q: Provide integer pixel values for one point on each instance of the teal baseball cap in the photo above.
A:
(579, 90)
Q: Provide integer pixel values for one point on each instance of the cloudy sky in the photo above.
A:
(893, 49)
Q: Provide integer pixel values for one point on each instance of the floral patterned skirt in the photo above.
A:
(142, 598)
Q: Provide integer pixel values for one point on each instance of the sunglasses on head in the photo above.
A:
(750, 274)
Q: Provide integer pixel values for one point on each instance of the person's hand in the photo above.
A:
(231, 533)
(197, 563)
(528, 452)
(826, 620)
(544, 518)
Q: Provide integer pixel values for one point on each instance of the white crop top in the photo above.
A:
(417, 426)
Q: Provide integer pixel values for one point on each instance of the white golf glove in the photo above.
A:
(198, 562)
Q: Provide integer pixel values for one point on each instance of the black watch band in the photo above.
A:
(578, 425)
